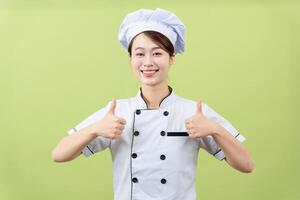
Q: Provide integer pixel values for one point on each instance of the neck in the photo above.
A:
(153, 95)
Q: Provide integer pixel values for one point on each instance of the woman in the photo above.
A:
(155, 137)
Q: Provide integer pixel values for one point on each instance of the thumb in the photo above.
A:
(199, 106)
(113, 106)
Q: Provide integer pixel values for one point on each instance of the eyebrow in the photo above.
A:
(144, 48)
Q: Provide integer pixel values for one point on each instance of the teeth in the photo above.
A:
(149, 71)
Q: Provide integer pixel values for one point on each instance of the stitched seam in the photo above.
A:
(131, 188)
(87, 145)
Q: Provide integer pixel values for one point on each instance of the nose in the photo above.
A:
(148, 61)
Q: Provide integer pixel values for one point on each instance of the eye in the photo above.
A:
(139, 54)
(157, 53)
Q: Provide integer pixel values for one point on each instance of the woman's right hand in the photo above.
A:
(110, 126)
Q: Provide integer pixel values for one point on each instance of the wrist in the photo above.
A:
(218, 130)
(89, 131)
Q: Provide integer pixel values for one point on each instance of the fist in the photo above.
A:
(198, 125)
(110, 126)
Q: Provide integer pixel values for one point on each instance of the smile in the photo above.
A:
(146, 71)
(149, 73)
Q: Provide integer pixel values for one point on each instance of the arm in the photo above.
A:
(70, 147)
(236, 154)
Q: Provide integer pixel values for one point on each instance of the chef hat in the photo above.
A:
(158, 20)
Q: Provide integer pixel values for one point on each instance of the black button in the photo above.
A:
(138, 112)
(136, 133)
(135, 180)
(166, 113)
(163, 157)
(134, 155)
(163, 181)
(162, 133)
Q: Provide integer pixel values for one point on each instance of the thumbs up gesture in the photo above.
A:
(110, 126)
(198, 125)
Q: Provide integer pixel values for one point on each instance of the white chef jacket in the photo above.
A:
(154, 158)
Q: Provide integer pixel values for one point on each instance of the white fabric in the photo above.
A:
(181, 152)
(159, 20)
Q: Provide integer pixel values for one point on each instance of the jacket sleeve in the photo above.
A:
(99, 143)
(208, 143)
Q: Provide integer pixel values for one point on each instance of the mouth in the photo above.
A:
(149, 73)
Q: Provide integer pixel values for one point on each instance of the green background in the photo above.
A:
(60, 61)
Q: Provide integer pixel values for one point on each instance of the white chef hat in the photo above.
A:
(159, 20)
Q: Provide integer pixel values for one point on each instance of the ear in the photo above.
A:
(172, 59)
(129, 59)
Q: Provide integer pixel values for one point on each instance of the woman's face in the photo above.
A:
(149, 62)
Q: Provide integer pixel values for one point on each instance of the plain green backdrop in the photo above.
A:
(60, 61)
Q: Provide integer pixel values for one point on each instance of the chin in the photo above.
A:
(149, 82)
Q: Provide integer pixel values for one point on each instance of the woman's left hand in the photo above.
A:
(198, 125)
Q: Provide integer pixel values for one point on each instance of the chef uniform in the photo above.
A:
(154, 159)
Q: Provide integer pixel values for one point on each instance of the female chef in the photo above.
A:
(155, 137)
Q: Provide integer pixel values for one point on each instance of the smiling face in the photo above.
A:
(150, 63)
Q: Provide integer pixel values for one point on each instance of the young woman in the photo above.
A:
(155, 137)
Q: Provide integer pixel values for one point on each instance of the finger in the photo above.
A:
(113, 106)
(199, 106)
(193, 136)
(117, 137)
(120, 127)
(188, 127)
(111, 135)
(117, 126)
(114, 137)
(118, 133)
(192, 131)
(122, 121)
(187, 121)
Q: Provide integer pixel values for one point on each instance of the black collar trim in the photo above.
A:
(170, 92)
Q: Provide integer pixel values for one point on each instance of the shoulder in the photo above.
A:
(124, 102)
(184, 106)
(189, 104)
(185, 103)
(121, 104)
(124, 106)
